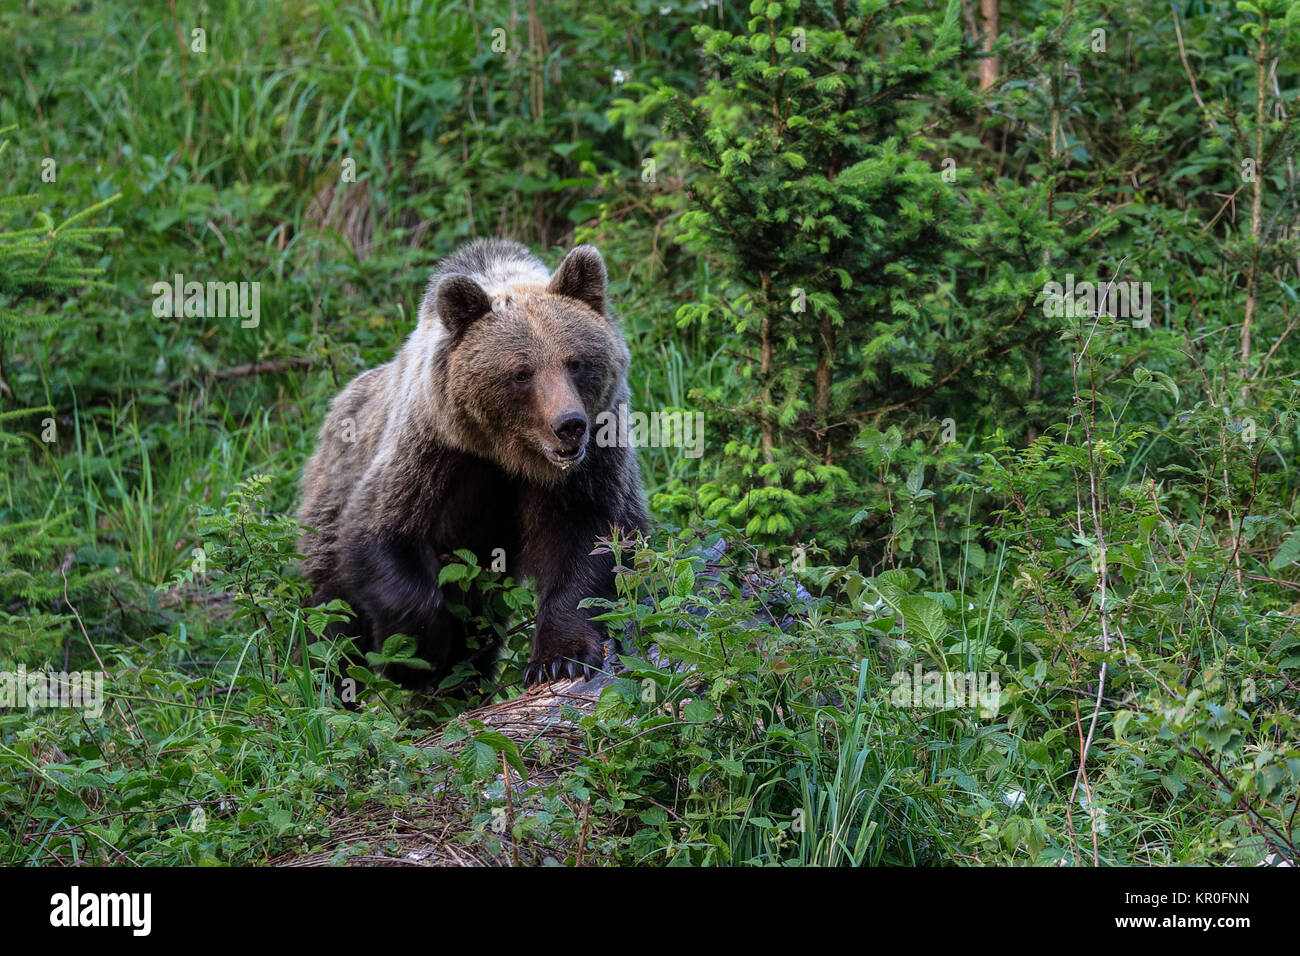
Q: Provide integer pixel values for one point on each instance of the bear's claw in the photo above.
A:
(559, 668)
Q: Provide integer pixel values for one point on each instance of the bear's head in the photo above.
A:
(525, 373)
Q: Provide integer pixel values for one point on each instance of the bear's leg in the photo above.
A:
(565, 641)
(395, 590)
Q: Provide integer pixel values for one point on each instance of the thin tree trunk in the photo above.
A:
(989, 65)
(1036, 353)
(766, 428)
(765, 377)
(825, 376)
(537, 62)
(1256, 206)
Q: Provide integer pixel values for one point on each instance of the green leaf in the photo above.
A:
(685, 583)
(452, 573)
(502, 744)
(916, 478)
(1287, 553)
(479, 760)
(653, 816)
(699, 711)
(398, 649)
(924, 619)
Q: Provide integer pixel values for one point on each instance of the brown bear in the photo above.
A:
(478, 435)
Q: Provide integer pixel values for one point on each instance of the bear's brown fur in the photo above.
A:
(476, 436)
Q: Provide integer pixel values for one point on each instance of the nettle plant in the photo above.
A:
(504, 611)
(219, 741)
(1146, 592)
(756, 723)
(699, 732)
(250, 554)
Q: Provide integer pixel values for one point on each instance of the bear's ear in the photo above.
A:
(581, 276)
(459, 302)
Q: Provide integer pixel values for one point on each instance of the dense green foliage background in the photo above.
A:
(824, 234)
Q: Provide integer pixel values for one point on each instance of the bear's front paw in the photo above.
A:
(561, 656)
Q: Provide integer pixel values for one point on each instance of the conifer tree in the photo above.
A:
(816, 191)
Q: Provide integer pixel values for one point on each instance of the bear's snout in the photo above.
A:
(570, 431)
(562, 419)
(570, 428)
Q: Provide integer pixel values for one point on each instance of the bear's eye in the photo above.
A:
(577, 366)
(523, 375)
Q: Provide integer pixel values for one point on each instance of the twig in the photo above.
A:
(264, 367)
(63, 572)
(582, 833)
(510, 810)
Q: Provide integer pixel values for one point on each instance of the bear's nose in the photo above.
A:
(570, 427)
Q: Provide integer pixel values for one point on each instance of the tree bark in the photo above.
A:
(989, 65)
